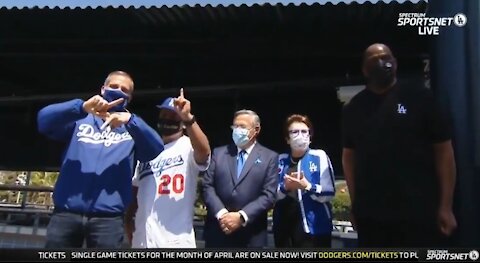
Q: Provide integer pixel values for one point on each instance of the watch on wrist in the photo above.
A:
(242, 218)
(190, 122)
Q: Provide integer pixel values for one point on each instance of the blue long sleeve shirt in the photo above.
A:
(97, 165)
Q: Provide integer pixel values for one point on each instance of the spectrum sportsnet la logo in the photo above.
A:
(430, 25)
(445, 255)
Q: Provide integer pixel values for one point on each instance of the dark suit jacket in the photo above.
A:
(254, 192)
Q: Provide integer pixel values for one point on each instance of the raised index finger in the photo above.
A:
(115, 103)
(181, 93)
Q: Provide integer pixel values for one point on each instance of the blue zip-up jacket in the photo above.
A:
(97, 166)
(315, 207)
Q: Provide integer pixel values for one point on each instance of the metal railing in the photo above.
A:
(34, 213)
(24, 213)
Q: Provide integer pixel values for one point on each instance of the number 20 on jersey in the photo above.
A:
(169, 183)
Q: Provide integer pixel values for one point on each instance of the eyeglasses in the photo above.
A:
(297, 131)
(240, 126)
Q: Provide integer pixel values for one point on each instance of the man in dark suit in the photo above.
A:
(240, 187)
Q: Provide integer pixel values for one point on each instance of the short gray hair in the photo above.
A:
(256, 118)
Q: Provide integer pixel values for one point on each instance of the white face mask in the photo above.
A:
(240, 136)
(300, 141)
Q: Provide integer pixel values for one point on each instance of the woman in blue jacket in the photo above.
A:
(302, 215)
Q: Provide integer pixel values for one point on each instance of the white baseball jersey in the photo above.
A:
(167, 187)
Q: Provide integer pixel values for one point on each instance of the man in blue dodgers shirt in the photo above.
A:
(105, 141)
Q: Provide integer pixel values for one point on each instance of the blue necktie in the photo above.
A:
(240, 162)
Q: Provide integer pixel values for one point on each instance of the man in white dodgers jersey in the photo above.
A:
(165, 188)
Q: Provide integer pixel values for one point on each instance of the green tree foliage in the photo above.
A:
(341, 203)
(39, 178)
(10, 178)
(200, 209)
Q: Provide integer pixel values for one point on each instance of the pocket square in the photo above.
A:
(258, 161)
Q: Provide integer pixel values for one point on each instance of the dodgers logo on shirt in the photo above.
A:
(401, 109)
(313, 167)
(87, 134)
(156, 167)
(169, 162)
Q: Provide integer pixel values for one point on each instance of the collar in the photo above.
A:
(249, 149)
(301, 158)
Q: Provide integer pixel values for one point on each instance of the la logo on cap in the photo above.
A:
(170, 103)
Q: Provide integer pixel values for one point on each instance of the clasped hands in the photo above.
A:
(98, 106)
(230, 222)
(294, 182)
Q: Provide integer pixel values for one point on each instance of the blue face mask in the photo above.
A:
(110, 95)
(240, 136)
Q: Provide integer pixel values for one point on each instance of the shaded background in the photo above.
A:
(273, 59)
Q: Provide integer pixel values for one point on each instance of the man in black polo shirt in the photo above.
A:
(398, 160)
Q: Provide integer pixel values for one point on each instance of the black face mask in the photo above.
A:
(381, 74)
(168, 127)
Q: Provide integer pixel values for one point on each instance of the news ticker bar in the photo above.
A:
(208, 255)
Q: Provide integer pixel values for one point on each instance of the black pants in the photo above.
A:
(392, 233)
(288, 228)
(300, 239)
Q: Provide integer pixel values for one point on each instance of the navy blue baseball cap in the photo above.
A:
(167, 104)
